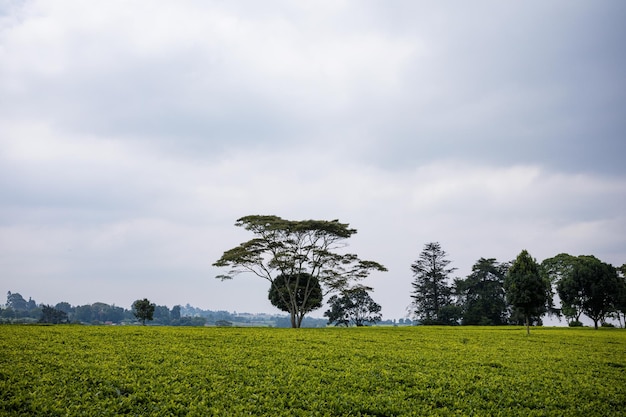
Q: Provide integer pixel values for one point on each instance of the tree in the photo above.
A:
(16, 302)
(66, 308)
(621, 299)
(558, 270)
(52, 315)
(143, 310)
(431, 291)
(307, 290)
(176, 312)
(354, 306)
(289, 248)
(162, 315)
(592, 286)
(83, 314)
(526, 289)
(481, 294)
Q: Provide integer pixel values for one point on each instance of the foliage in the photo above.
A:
(585, 285)
(620, 306)
(431, 291)
(354, 306)
(367, 371)
(558, 270)
(307, 291)
(592, 286)
(482, 295)
(288, 248)
(527, 290)
(51, 315)
(143, 310)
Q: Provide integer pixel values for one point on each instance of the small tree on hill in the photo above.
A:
(143, 310)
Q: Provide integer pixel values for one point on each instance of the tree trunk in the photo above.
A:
(293, 319)
(527, 325)
(595, 324)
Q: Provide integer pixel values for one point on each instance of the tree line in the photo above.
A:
(303, 261)
(19, 310)
(518, 292)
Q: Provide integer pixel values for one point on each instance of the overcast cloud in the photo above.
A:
(134, 133)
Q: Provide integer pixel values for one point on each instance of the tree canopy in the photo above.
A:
(432, 296)
(482, 295)
(307, 290)
(591, 287)
(143, 310)
(527, 290)
(354, 306)
(289, 248)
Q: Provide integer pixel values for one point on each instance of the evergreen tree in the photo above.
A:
(481, 294)
(432, 296)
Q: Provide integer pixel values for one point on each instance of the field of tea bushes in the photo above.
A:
(379, 371)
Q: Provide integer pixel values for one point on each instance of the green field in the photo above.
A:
(394, 371)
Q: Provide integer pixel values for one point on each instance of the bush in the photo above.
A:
(575, 323)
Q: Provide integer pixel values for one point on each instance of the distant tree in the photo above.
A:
(191, 321)
(289, 248)
(300, 293)
(102, 313)
(481, 294)
(431, 291)
(162, 315)
(354, 306)
(175, 312)
(83, 314)
(51, 315)
(65, 307)
(527, 290)
(143, 310)
(593, 287)
(16, 302)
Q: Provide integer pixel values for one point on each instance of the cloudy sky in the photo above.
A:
(134, 133)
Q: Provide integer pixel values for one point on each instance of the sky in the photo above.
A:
(133, 134)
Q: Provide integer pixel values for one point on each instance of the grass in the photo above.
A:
(165, 371)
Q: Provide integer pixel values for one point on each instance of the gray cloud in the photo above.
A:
(133, 135)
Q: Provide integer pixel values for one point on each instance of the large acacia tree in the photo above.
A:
(290, 248)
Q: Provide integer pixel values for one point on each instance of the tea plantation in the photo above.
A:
(394, 371)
